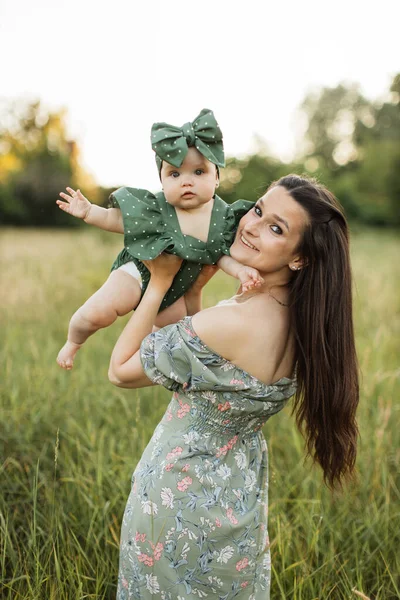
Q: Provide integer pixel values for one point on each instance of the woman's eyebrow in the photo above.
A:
(281, 220)
(276, 217)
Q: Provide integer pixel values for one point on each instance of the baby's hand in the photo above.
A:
(249, 278)
(76, 204)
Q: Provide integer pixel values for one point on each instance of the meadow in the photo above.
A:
(69, 441)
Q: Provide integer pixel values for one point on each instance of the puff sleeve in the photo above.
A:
(234, 213)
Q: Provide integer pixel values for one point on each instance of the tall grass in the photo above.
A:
(70, 440)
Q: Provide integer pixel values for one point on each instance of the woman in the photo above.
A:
(195, 524)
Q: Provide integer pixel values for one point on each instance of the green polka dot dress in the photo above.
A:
(151, 227)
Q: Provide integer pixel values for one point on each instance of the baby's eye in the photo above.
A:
(199, 171)
(276, 229)
(174, 174)
(257, 210)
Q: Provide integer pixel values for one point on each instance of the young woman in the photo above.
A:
(195, 523)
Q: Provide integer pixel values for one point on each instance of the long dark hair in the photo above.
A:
(321, 317)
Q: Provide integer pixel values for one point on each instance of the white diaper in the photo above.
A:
(132, 269)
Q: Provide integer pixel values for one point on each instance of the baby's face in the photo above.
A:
(192, 184)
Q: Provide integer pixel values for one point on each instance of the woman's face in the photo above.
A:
(268, 235)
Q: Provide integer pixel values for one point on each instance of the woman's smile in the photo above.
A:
(247, 243)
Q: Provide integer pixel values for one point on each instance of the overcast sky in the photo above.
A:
(120, 65)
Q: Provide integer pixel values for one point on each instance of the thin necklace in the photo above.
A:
(269, 294)
(278, 301)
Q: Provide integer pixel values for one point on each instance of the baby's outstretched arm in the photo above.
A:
(77, 205)
(248, 277)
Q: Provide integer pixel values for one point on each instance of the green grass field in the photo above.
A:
(69, 441)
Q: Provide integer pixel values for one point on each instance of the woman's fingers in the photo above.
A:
(164, 264)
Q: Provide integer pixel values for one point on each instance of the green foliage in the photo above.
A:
(350, 144)
(36, 162)
(69, 441)
(356, 145)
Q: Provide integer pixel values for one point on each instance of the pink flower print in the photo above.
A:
(221, 451)
(169, 415)
(217, 522)
(184, 386)
(232, 442)
(226, 421)
(148, 560)
(124, 583)
(224, 407)
(244, 584)
(242, 564)
(184, 484)
(231, 517)
(184, 409)
(140, 537)
(174, 453)
(157, 550)
(188, 331)
(169, 466)
(185, 468)
(237, 382)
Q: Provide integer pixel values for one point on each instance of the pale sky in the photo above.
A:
(118, 66)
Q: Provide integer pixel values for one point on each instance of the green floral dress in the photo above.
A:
(195, 524)
(151, 227)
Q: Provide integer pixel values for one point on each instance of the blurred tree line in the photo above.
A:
(349, 143)
(37, 161)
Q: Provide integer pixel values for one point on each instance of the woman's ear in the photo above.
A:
(297, 263)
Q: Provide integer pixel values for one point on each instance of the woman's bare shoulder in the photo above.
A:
(233, 328)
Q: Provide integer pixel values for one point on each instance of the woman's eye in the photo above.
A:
(276, 229)
(199, 171)
(257, 210)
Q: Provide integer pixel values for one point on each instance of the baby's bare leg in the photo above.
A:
(119, 295)
(172, 314)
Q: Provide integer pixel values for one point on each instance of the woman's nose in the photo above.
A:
(251, 227)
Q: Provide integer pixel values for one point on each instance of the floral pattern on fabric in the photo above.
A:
(195, 524)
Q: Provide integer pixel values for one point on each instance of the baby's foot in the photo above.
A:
(66, 355)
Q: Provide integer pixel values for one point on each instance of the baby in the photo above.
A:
(187, 219)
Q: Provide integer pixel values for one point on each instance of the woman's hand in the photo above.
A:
(163, 269)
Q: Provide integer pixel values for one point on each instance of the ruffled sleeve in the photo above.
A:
(234, 212)
(177, 359)
(169, 359)
(145, 235)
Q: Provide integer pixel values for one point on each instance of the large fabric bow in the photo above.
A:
(171, 143)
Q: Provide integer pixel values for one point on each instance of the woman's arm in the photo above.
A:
(193, 297)
(78, 206)
(125, 366)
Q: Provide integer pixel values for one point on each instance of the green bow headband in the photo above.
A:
(171, 143)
